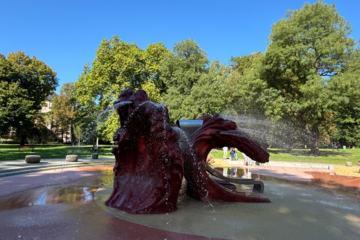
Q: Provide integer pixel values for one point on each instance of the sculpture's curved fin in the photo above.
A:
(217, 132)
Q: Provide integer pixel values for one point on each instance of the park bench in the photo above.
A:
(27, 147)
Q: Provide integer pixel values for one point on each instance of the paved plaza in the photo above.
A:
(65, 200)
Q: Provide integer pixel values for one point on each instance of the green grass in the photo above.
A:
(303, 155)
(11, 151)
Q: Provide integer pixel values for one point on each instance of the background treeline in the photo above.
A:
(303, 90)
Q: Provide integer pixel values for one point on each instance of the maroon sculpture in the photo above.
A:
(217, 132)
(149, 163)
(149, 168)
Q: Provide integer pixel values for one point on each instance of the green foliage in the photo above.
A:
(14, 106)
(245, 86)
(152, 91)
(110, 126)
(184, 66)
(243, 63)
(309, 44)
(208, 94)
(194, 87)
(24, 84)
(64, 108)
(118, 65)
(345, 89)
(39, 133)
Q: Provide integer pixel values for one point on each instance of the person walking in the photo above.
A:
(234, 153)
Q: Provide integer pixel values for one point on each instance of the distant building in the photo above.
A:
(52, 124)
(48, 103)
(47, 108)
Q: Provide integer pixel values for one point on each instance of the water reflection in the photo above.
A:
(327, 182)
(80, 193)
(83, 191)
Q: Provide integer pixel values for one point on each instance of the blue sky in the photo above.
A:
(65, 34)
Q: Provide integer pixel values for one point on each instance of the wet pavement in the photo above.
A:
(321, 205)
(68, 211)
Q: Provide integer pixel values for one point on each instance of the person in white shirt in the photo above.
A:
(225, 149)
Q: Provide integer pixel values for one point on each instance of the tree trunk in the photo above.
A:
(315, 139)
(72, 133)
(23, 139)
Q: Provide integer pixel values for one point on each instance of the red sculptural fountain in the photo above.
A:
(150, 165)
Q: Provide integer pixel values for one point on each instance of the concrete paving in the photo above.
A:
(68, 204)
(67, 210)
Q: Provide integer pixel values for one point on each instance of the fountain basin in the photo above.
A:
(297, 211)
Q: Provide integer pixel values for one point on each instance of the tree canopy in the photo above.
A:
(24, 85)
(307, 48)
(195, 86)
(118, 65)
(345, 90)
(308, 79)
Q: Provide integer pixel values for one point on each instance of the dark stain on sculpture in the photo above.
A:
(149, 164)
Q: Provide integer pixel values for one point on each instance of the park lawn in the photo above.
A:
(303, 155)
(11, 151)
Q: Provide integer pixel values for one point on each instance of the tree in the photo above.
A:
(64, 109)
(211, 94)
(197, 87)
(183, 71)
(345, 89)
(24, 84)
(307, 48)
(118, 65)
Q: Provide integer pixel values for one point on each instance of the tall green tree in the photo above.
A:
(24, 85)
(244, 86)
(307, 48)
(118, 65)
(188, 77)
(345, 89)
